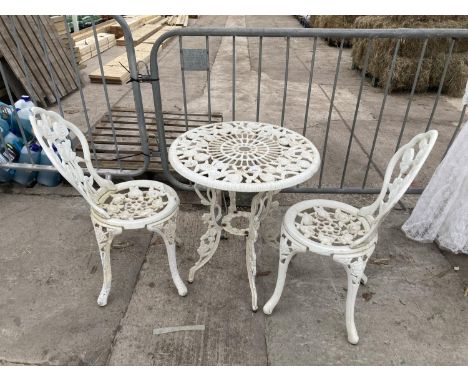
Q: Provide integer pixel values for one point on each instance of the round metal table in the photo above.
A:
(240, 157)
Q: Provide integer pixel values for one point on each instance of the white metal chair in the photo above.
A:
(114, 207)
(345, 233)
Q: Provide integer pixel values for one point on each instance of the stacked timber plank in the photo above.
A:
(37, 57)
(116, 71)
(143, 32)
(88, 32)
(113, 27)
(86, 48)
(85, 45)
(180, 20)
(134, 22)
(152, 39)
(59, 25)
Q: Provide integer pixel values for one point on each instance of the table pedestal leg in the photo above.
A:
(210, 240)
(261, 205)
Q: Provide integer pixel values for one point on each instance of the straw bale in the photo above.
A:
(410, 51)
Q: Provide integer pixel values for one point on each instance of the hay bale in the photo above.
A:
(335, 22)
(456, 77)
(409, 53)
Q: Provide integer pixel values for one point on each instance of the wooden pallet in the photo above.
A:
(128, 136)
(42, 88)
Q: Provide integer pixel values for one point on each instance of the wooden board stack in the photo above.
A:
(143, 32)
(152, 39)
(116, 70)
(86, 48)
(59, 25)
(146, 30)
(36, 59)
(180, 20)
(88, 32)
(134, 22)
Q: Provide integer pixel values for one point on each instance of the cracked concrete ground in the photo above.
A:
(411, 312)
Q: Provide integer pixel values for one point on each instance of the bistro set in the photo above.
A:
(238, 156)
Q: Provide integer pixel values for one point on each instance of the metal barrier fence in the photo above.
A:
(199, 60)
(44, 50)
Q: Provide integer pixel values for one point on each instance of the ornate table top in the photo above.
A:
(244, 156)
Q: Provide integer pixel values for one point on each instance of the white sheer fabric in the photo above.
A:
(441, 213)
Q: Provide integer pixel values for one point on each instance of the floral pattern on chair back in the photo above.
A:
(52, 130)
(405, 164)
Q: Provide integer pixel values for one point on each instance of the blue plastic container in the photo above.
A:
(5, 174)
(26, 177)
(24, 112)
(4, 127)
(7, 113)
(8, 153)
(21, 119)
(24, 123)
(48, 178)
(13, 140)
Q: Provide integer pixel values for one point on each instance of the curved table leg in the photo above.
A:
(261, 204)
(210, 240)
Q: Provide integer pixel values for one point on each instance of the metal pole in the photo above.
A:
(76, 26)
(309, 88)
(286, 73)
(386, 91)
(330, 111)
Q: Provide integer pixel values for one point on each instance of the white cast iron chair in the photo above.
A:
(114, 207)
(345, 233)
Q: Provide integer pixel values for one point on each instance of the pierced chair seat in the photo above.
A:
(114, 207)
(347, 234)
(327, 227)
(137, 203)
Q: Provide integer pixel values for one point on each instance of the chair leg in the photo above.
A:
(288, 249)
(167, 230)
(363, 279)
(354, 267)
(104, 236)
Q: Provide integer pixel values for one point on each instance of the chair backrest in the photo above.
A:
(52, 130)
(410, 159)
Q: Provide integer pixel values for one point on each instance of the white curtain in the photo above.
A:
(441, 213)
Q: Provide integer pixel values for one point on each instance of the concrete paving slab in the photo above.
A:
(219, 298)
(50, 277)
(406, 316)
